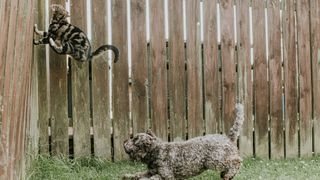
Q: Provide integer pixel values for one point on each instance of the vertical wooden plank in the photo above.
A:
(305, 104)
(261, 100)
(100, 84)
(4, 20)
(41, 70)
(11, 88)
(139, 66)
(194, 69)
(30, 140)
(211, 67)
(25, 76)
(290, 79)
(159, 81)
(58, 99)
(9, 25)
(80, 88)
(177, 71)
(245, 76)
(274, 57)
(120, 96)
(315, 45)
(228, 64)
(17, 94)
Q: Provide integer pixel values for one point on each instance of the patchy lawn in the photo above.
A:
(62, 168)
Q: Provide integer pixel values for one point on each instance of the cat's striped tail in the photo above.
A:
(104, 48)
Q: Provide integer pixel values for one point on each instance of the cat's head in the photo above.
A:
(58, 12)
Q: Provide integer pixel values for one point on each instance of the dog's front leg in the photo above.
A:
(165, 173)
(137, 176)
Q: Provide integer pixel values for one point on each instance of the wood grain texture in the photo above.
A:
(228, 60)
(17, 93)
(261, 96)
(10, 8)
(40, 65)
(211, 68)
(305, 93)
(245, 76)
(27, 138)
(100, 84)
(9, 120)
(274, 59)
(121, 125)
(177, 79)
(139, 66)
(159, 81)
(15, 85)
(30, 128)
(58, 100)
(4, 20)
(290, 79)
(315, 47)
(194, 70)
(80, 89)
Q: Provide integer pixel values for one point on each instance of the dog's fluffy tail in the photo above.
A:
(104, 48)
(237, 126)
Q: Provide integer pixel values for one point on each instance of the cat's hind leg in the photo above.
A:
(44, 40)
(65, 48)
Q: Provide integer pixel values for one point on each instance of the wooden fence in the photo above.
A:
(185, 79)
(183, 66)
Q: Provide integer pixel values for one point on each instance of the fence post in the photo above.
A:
(43, 101)
(275, 79)
(290, 79)
(245, 76)
(80, 88)
(100, 83)
(58, 99)
(177, 79)
(211, 68)
(159, 73)
(315, 45)
(304, 60)
(228, 63)
(261, 100)
(140, 80)
(120, 96)
(194, 70)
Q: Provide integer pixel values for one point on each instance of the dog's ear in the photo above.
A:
(150, 133)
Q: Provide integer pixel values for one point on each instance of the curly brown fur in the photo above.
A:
(65, 38)
(181, 160)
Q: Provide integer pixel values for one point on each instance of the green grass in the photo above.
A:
(62, 168)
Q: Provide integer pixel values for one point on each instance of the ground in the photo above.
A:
(62, 168)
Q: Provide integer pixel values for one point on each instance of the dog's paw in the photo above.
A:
(129, 177)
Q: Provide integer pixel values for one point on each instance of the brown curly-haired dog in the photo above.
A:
(180, 160)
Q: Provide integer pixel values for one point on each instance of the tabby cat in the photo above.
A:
(65, 38)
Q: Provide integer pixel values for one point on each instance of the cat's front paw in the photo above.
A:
(35, 28)
(52, 43)
(35, 42)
